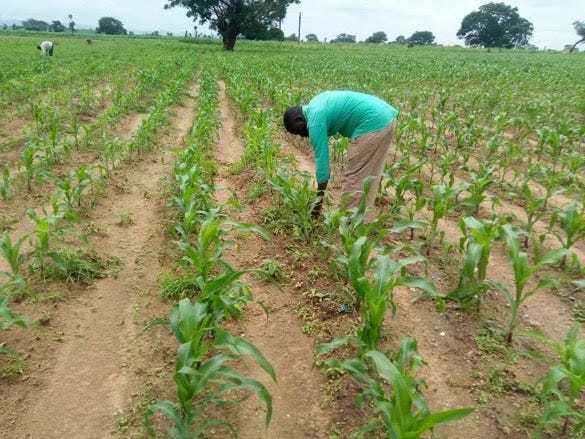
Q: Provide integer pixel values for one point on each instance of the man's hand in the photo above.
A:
(321, 187)
(316, 213)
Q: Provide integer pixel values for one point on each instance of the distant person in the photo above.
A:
(46, 48)
(367, 121)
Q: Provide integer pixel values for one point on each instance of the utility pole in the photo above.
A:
(299, 35)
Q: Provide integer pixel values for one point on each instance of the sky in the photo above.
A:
(552, 19)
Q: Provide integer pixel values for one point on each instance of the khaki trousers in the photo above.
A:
(366, 156)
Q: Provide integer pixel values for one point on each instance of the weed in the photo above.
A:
(274, 269)
(178, 287)
(491, 340)
(80, 265)
(12, 365)
(126, 219)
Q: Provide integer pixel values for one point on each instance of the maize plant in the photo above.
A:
(195, 196)
(206, 254)
(562, 386)
(375, 295)
(11, 252)
(482, 180)
(6, 192)
(572, 222)
(29, 156)
(390, 396)
(444, 201)
(204, 375)
(476, 244)
(298, 201)
(354, 234)
(47, 229)
(77, 184)
(523, 273)
(402, 186)
(534, 208)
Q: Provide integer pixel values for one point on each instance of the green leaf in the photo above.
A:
(172, 412)
(401, 226)
(325, 348)
(554, 256)
(250, 228)
(240, 346)
(505, 291)
(7, 317)
(242, 382)
(420, 282)
(185, 355)
(210, 369)
(431, 420)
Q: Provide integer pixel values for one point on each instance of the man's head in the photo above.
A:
(295, 122)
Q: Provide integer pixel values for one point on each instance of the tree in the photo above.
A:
(344, 38)
(495, 25)
(232, 18)
(580, 29)
(71, 24)
(259, 31)
(35, 25)
(275, 34)
(110, 26)
(400, 39)
(377, 38)
(311, 38)
(421, 38)
(57, 26)
(255, 31)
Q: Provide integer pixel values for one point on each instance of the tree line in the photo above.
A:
(493, 25)
(418, 38)
(106, 25)
(32, 24)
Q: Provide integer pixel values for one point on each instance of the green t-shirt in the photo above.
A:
(348, 113)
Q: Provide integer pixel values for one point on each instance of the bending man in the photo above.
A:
(46, 48)
(366, 120)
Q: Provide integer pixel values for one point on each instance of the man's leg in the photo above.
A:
(366, 156)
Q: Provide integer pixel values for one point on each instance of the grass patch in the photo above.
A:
(11, 363)
(177, 287)
(81, 266)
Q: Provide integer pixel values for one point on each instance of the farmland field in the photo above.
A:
(158, 259)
